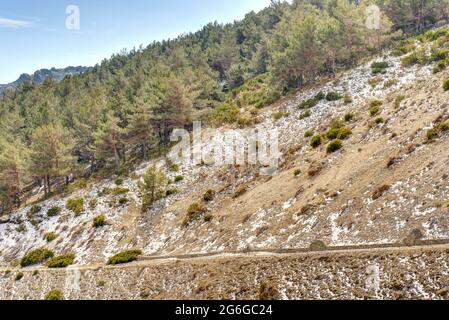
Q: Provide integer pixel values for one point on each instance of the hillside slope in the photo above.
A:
(387, 181)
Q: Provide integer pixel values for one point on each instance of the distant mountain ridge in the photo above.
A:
(40, 76)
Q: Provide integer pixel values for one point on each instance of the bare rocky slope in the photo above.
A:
(386, 183)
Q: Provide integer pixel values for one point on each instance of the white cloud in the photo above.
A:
(10, 23)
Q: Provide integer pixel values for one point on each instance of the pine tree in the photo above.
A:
(51, 155)
(108, 140)
(139, 131)
(13, 162)
(152, 187)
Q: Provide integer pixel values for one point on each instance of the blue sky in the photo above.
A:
(33, 33)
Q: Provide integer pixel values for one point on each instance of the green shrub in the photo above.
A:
(34, 210)
(398, 101)
(36, 256)
(344, 133)
(19, 276)
(333, 96)
(119, 181)
(374, 111)
(209, 195)
(320, 96)
(179, 178)
(440, 66)
(61, 261)
(379, 67)
(404, 48)
(309, 103)
(225, 113)
(50, 236)
(193, 213)
(349, 117)
(125, 257)
(208, 217)
(279, 115)
(123, 201)
(93, 203)
(432, 134)
(332, 134)
(334, 146)
(171, 192)
(316, 141)
(390, 83)
(99, 221)
(54, 295)
(446, 85)
(437, 130)
(76, 205)
(297, 172)
(304, 115)
(438, 54)
(417, 57)
(308, 134)
(379, 120)
(54, 211)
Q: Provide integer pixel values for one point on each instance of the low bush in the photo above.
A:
(308, 134)
(193, 213)
(417, 57)
(439, 54)
(398, 101)
(279, 115)
(374, 111)
(54, 295)
(406, 46)
(297, 172)
(118, 181)
(19, 276)
(333, 96)
(61, 261)
(304, 115)
(334, 146)
(123, 201)
(34, 210)
(316, 141)
(125, 257)
(379, 120)
(99, 221)
(379, 67)
(440, 66)
(390, 83)
(93, 203)
(344, 133)
(54, 211)
(332, 134)
(209, 195)
(76, 205)
(171, 192)
(179, 178)
(349, 117)
(308, 104)
(208, 217)
(50, 236)
(36, 256)
(446, 85)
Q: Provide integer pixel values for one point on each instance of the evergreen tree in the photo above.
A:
(51, 155)
(108, 140)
